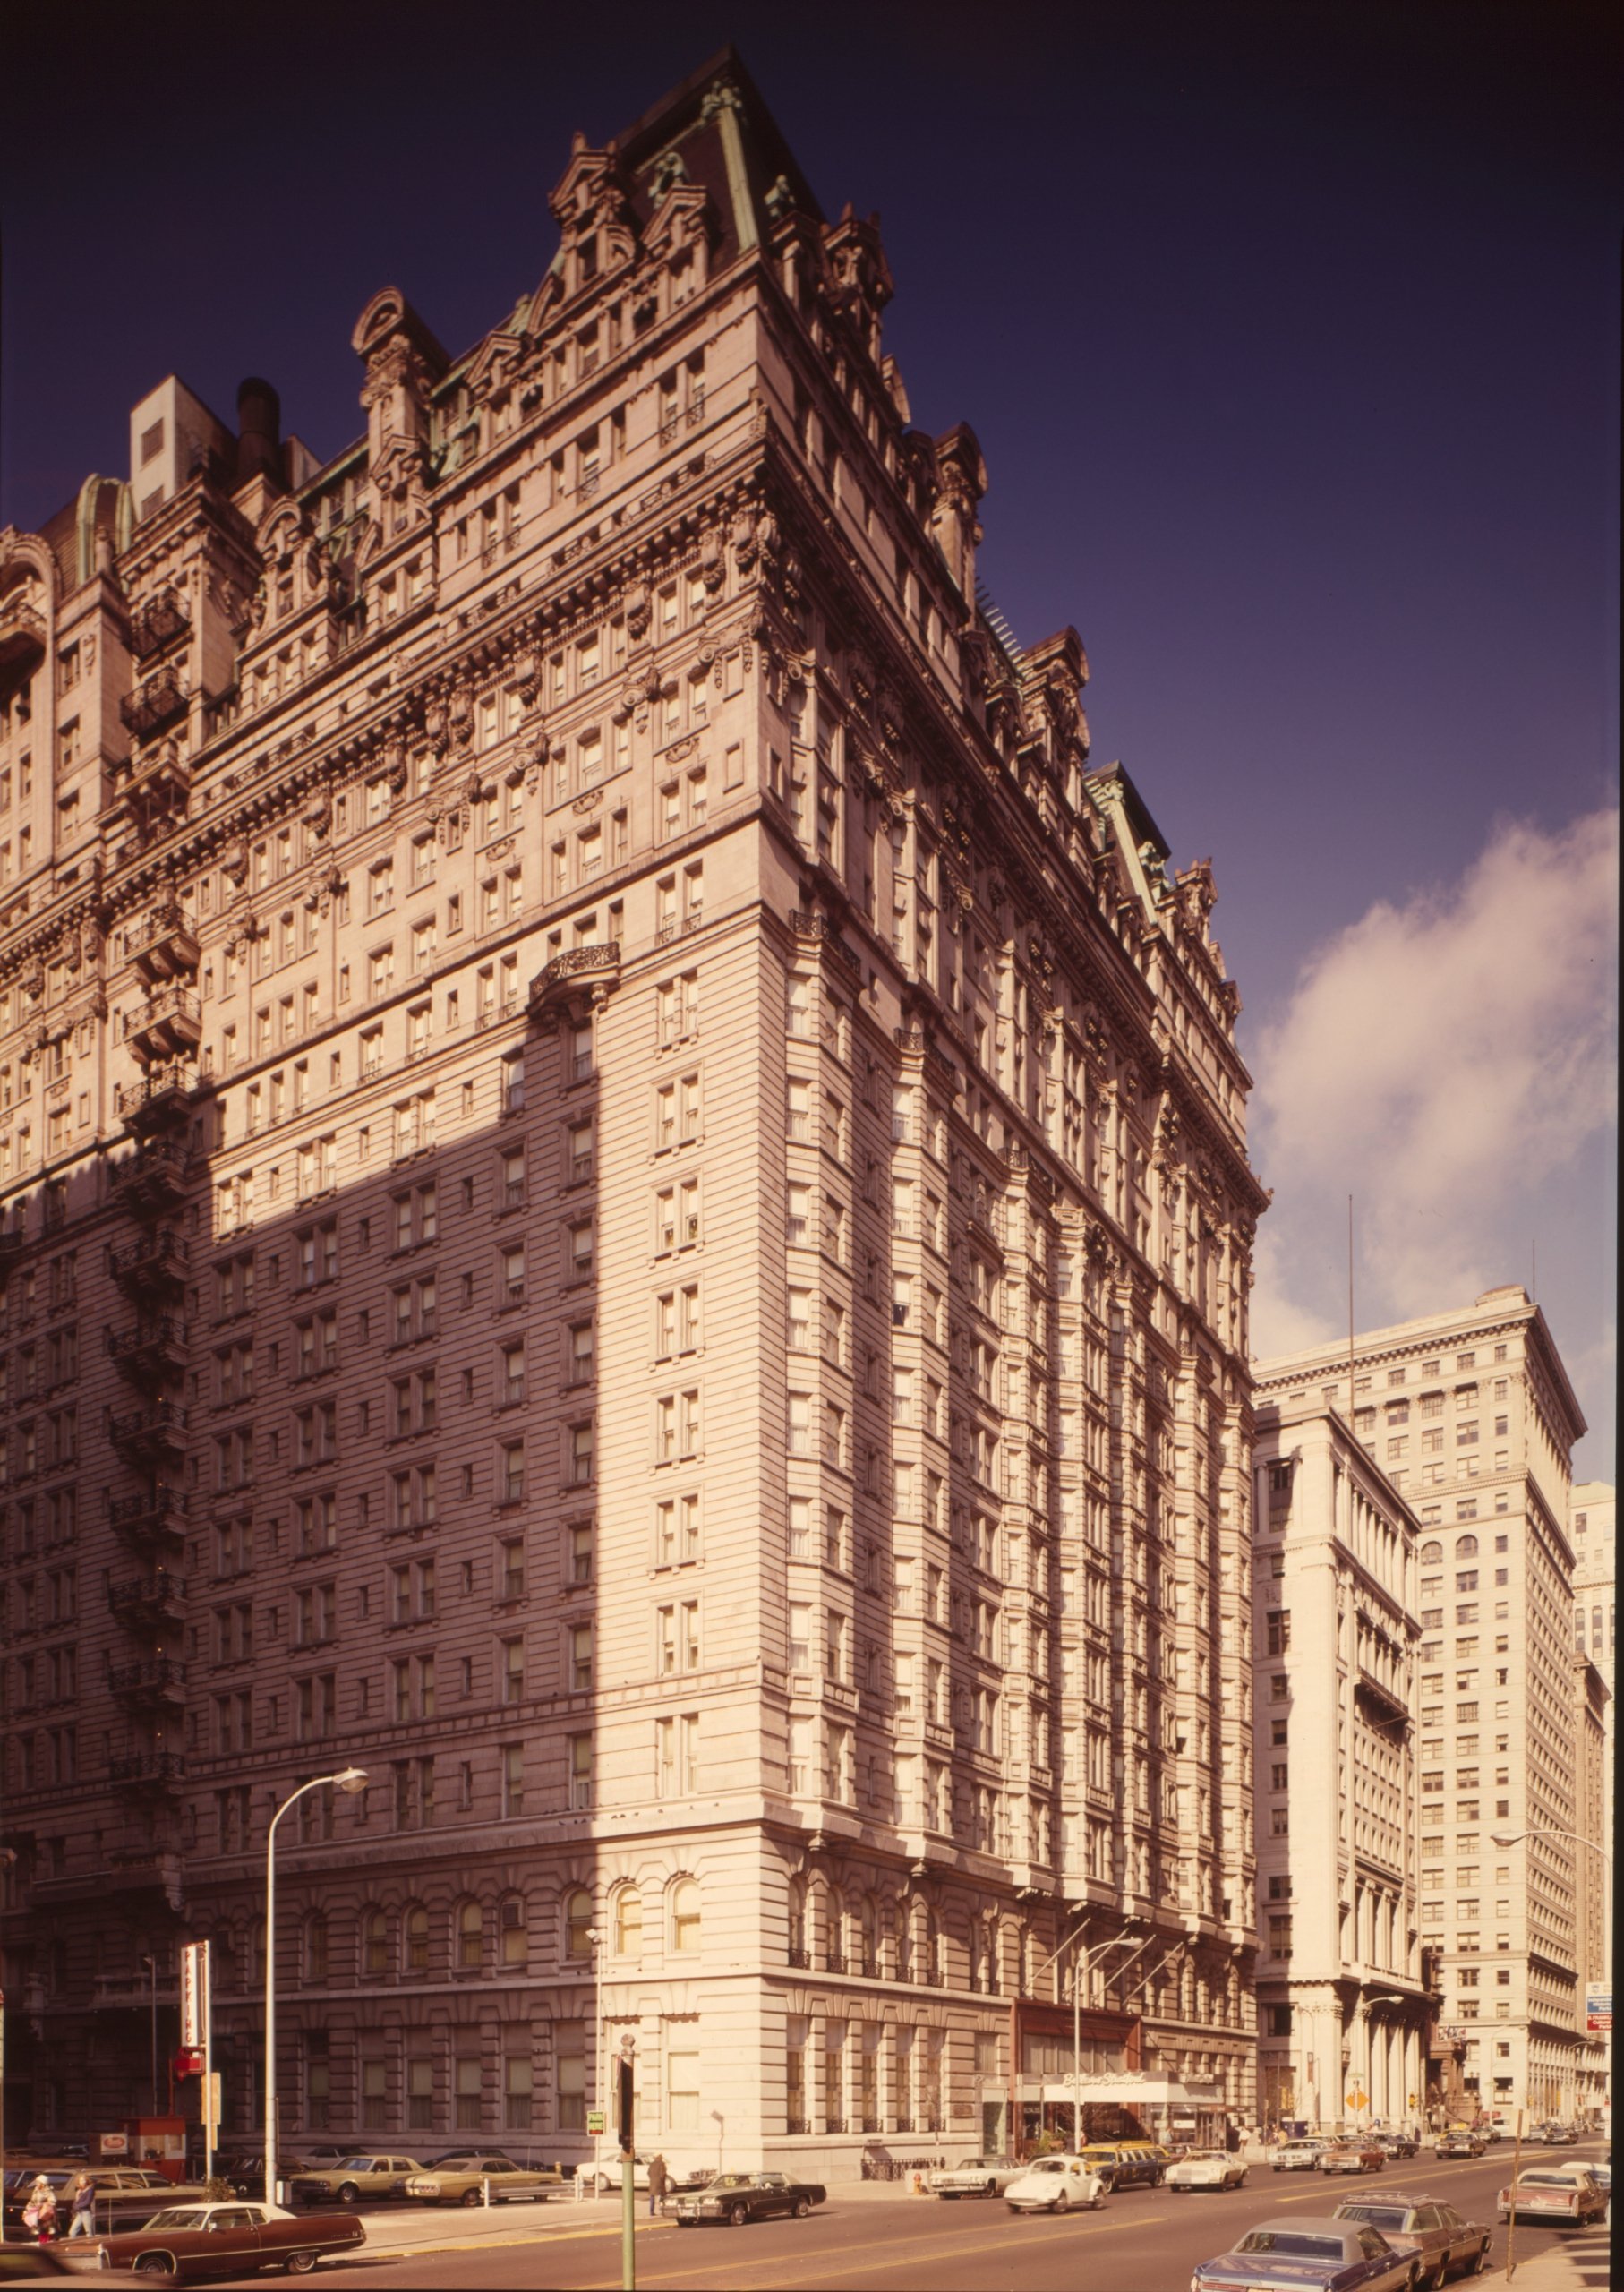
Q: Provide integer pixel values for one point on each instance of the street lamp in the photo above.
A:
(1575, 1838)
(594, 1934)
(347, 1779)
(151, 1965)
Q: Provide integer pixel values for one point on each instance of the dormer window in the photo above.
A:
(586, 259)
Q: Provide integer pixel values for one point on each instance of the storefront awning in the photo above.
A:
(1133, 2089)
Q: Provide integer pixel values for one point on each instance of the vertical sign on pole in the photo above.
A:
(197, 2031)
(628, 2173)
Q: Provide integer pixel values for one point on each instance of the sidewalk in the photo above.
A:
(1581, 2263)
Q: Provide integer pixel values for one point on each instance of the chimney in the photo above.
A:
(259, 433)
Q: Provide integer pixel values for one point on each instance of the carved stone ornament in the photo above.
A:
(434, 724)
(639, 610)
(712, 568)
(461, 718)
(233, 864)
(318, 816)
(527, 676)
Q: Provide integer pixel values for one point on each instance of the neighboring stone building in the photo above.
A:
(626, 1203)
(1593, 1529)
(1472, 1418)
(1343, 2009)
(1593, 1721)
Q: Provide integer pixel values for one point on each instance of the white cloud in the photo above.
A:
(1447, 1062)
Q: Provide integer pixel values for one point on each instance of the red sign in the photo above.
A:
(189, 2062)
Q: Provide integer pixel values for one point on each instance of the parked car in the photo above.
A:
(461, 2179)
(1121, 2164)
(192, 2242)
(1205, 2169)
(1054, 2184)
(1436, 2233)
(1562, 2193)
(976, 2177)
(739, 2198)
(1299, 2156)
(1308, 2255)
(1459, 2144)
(602, 2177)
(1359, 2156)
(366, 2174)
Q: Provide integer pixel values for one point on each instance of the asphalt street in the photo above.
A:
(1143, 2240)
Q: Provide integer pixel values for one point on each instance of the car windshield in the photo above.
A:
(355, 2165)
(1296, 2242)
(180, 2215)
(1205, 2157)
(731, 2180)
(1380, 2216)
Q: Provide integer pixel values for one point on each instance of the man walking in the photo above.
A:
(658, 2182)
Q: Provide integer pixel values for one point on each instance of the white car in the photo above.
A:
(1299, 2156)
(1054, 2184)
(976, 2177)
(599, 2179)
(1205, 2169)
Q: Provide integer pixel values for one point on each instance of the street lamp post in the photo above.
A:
(151, 1963)
(1080, 1966)
(594, 1934)
(1575, 1838)
(347, 1779)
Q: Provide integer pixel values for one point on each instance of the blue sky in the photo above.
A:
(1291, 337)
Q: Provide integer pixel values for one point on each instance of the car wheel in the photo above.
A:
(349, 2194)
(469, 2197)
(1062, 2203)
(801, 2208)
(155, 2264)
(1479, 2261)
(299, 2263)
(738, 2215)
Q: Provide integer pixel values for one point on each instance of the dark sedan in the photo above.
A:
(735, 2199)
(194, 2242)
(1308, 2255)
(1435, 2233)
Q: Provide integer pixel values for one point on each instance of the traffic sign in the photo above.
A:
(597, 2124)
(1598, 2011)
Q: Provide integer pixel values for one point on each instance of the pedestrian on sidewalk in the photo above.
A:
(657, 2183)
(81, 2207)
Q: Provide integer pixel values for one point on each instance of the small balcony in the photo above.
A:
(148, 1601)
(153, 705)
(157, 625)
(152, 1265)
(152, 1435)
(21, 634)
(578, 980)
(158, 1100)
(151, 1352)
(153, 1520)
(170, 1025)
(156, 1683)
(155, 1179)
(162, 1772)
(163, 945)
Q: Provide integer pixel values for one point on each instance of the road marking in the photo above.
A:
(824, 2269)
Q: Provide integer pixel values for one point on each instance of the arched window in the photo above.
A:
(515, 1933)
(685, 1914)
(374, 1942)
(470, 1937)
(628, 1923)
(1431, 1554)
(315, 1947)
(933, 1950)
(416, 1932)
(1465, 1547)
(578, 1924)
(868, 1939)
(798, 1956)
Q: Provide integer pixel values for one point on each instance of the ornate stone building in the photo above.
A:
(1473, 1420)
(1343, 2006)
(626, 1204)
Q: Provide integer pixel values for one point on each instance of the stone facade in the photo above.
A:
(1343, 2007)
(1473, 1420)
(626, 1204)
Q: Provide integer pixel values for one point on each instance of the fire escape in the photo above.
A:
(150, 1265)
